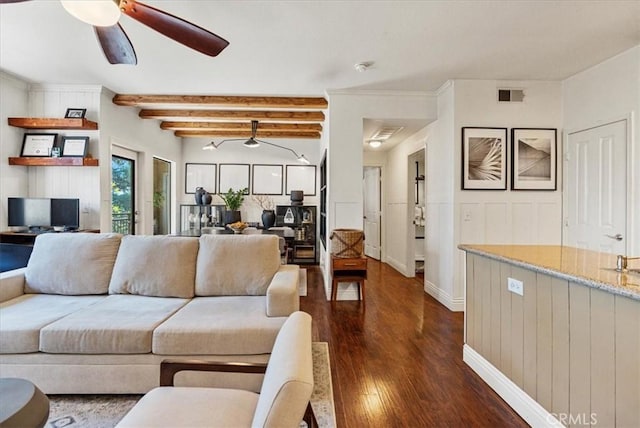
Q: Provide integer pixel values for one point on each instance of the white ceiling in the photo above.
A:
(308, 47)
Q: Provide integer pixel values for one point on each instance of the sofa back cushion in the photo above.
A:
(236, 265)
(71, 263)
(160, 266)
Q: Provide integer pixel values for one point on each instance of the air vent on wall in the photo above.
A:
(510, 95)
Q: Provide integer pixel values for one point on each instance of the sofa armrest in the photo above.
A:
(11, 284)
(283, 297)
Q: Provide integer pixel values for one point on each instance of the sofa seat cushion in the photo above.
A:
(71, 263)
(218, 325)
(119, 324)
(192, 407)
(231, 265)
(160, 266)
(22, 318)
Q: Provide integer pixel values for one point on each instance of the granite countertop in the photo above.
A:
(586, 267)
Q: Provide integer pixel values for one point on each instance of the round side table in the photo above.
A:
(22, 404)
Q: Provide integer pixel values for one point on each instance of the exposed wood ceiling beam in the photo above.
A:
(243, 134)
(239, 126)
(225, 101)
(286, 116)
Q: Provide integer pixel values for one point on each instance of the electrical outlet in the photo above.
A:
(515, 286)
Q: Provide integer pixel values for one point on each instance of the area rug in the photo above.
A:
(302, 282)
(105, 411)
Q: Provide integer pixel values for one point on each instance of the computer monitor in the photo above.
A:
(30, 212)
(65, 212)
(44, 212)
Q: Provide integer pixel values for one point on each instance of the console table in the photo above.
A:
(348, 269)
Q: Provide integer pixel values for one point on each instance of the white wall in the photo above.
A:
(611, 91)
(235, 152)
(345, 155)
(121, 126)
(49, 100)
(439, 211)
(14, 180)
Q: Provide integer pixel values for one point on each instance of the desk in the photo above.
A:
(28, 238)
(348, 269)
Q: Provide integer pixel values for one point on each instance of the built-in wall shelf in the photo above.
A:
(51, 123)
(49, 161)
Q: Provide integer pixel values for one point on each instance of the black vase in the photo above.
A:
(207, 198)
(231, 217)
(199, 194)
(268, 218)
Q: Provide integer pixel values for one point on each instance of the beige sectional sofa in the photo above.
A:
(97, 313)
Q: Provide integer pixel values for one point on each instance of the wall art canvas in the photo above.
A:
(533, 163)
(484, 158)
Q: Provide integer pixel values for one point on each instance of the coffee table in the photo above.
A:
(22, 404)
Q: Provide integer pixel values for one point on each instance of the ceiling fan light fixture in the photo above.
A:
(99, 13)
(375, 144)
(210, 146)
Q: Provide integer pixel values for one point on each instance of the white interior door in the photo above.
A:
(596, 188)
(372, 203)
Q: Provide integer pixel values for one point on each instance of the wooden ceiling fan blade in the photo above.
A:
(116, 45)
(12, 1)
(175, 28)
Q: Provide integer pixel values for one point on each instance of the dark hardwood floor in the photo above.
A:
(396, 361)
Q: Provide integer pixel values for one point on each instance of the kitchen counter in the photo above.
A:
(585, 267)
(555, 331)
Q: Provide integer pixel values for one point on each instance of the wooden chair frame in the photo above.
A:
(169, 368)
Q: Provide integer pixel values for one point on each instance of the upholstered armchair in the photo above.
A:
(283, 400)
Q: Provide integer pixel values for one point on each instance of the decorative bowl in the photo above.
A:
(237, 227)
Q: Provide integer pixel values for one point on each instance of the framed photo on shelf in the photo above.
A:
(38, 145)
(200, 175)
(534, 158)
(75, 113)
(484, 158)
(234, 176)
(301, 177)
(74, 146)
(267, 179)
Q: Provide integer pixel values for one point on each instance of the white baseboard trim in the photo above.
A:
(529, 409)
(400, 267)
(454, 305)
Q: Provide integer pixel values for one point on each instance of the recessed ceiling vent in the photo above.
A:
(510, 95)
(386, 132)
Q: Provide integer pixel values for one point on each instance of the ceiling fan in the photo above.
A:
(104, 15)
(253, 142)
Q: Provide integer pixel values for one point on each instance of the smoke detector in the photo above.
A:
(361, 67)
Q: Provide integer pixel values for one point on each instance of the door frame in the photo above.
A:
(630, 241)
(411, 231)
(137, 219)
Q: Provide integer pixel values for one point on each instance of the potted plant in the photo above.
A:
(233, 200)
(268, 214)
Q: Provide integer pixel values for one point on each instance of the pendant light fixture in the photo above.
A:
(253, 142)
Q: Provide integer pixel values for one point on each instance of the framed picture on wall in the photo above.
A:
(266, 179)
(200, 175)
(534, 158)
(484, 158)
(301, 177)
(234, 176)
